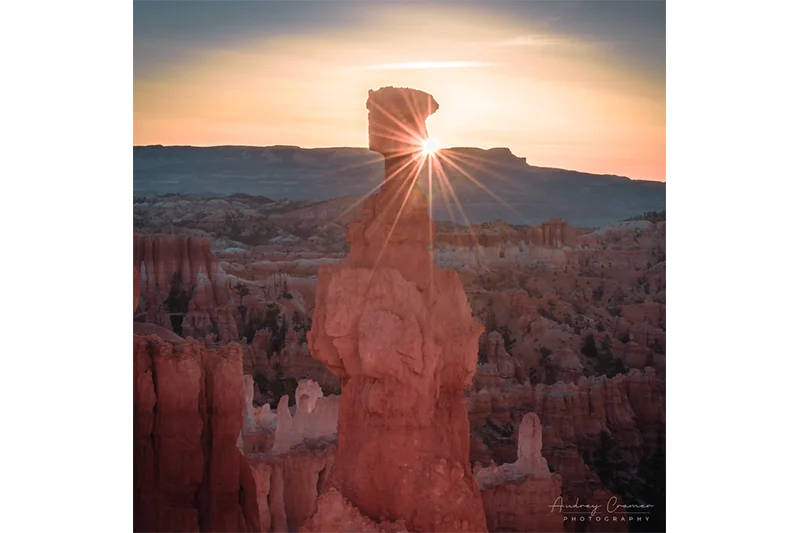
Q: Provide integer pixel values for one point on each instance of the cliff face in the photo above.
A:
(554, 233)
(399, 333)
(183, 288)
(188, 473)
(630, 407)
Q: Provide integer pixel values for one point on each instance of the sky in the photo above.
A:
(570, 84)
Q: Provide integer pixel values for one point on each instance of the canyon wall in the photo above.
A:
(204, 458)
(597, 433)
(189, 474)
(183, 287)
(629, 405)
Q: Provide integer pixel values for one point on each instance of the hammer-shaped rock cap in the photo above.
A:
(397, 118)
(400, 99)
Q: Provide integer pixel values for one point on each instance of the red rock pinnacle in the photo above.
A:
(399, 333)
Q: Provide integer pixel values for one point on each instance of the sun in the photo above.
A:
(429, 147)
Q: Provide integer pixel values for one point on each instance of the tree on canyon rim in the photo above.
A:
(242, 290)
(301, 325)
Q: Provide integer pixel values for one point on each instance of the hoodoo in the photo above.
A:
(399, 333)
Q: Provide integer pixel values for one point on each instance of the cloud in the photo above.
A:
(416, 65)
(531, 40)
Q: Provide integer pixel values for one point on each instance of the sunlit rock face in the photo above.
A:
(397, 120)
(399, 333)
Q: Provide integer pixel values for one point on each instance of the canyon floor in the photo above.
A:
(574, 331)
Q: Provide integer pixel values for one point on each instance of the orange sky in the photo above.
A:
(556, 99)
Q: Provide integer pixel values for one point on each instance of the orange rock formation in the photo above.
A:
(519, 496)
(554, 233)
(137, 288)
(399, 333)
(183, 287)
(288, 485)
(188, 473)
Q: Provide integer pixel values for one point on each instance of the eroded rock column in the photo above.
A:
(188, 473)
(399, 333)
(521, 496)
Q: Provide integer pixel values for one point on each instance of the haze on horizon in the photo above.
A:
(575, 85)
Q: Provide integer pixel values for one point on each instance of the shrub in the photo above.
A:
(262, 382)
(598, 293)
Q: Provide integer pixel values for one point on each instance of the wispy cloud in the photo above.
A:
(415, 65)
(530, 40)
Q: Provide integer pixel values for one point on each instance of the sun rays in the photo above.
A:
(409, 150)
(430, 147)
(451, 159)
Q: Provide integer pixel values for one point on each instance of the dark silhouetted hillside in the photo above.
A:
(519, 193)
